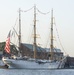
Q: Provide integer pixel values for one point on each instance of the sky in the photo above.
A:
(63, 11)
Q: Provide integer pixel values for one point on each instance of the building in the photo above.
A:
(41, 53)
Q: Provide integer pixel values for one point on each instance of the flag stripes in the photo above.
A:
(7, 45)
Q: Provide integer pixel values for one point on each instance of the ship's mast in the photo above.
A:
(51, 45)
(34, 46)
(19, 37)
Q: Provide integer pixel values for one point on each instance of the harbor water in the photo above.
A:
(36, 72)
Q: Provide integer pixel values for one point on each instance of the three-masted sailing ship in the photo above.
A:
(32, 63)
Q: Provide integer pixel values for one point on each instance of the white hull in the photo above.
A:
(30, 64)
(1, 63)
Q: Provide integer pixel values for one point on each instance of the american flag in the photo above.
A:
(7, 45)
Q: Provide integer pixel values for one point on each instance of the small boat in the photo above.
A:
(28, 62)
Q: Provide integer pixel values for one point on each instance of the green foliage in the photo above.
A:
(2, 45)
(12, 48)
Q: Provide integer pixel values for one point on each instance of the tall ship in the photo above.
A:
(46, 60)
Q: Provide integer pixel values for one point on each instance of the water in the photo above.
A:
(36, 72)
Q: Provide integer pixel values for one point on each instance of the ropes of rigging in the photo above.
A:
(58, 37)
(37, 10)
(27, 10)
(13, 29)
(16, 21)
(42, 12)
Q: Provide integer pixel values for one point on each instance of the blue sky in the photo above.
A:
(63, 13)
